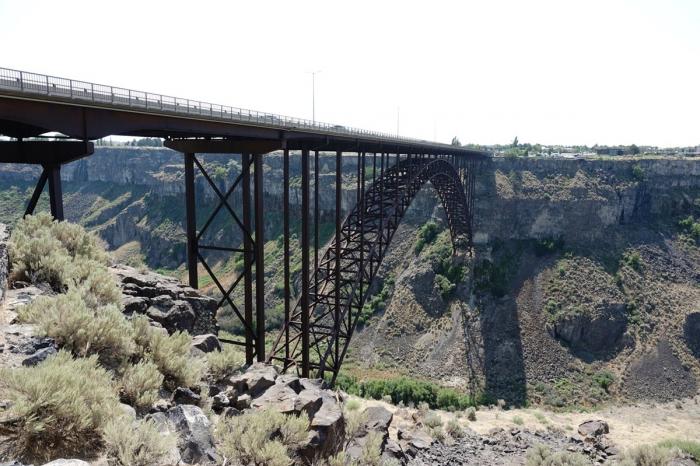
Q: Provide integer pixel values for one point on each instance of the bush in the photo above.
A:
(171, 353)
(432, 420)
(604, 379)
(686, 446)
(471, 414)
(540, 455)
(426, 235)
(647, 455)
(352, 405)
(261, 437)
(406, 390)
(638, 172)
(135, 443)
(518, 421)
(224, 363)
(444, 286)
(372, 450)
(140, 384)
(454, 429)
(43, 250)
(60, 407)
(83, 330)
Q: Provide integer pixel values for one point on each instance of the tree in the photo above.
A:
(455, 142)
(515, 142)
(634, 150)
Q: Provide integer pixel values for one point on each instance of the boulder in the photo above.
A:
(328, 425)
(413, 441)
(243, 401)
(166, 301)
(206, 343)
(195, 441)
(280, 398)
(592, 429)
(165, 427)
(291, 381)
(185, 396)
(219, 402)
(173, 314)
(255, 380)
(309, 402)
(39, 356)
(377, 419)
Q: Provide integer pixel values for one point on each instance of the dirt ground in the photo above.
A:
(630, 425)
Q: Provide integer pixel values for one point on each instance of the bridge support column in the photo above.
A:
(50, 155)
(304, 301)
(191, 221)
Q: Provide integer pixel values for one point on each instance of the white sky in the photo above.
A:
(557, 72)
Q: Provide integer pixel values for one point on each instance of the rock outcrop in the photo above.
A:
(166, 301)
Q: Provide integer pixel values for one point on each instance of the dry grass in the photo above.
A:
(261, 437)
(58, 407)
(136, 443)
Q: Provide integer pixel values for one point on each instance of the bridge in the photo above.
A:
(319, 322)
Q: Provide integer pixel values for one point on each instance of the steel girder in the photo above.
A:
(337, 290)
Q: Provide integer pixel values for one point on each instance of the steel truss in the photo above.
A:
(252, 246)
(317, 333)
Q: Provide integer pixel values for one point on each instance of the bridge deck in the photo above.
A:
(31, 104)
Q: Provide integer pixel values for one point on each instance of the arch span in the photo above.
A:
(338, 288)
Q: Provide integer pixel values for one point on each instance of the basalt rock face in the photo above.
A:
(166, 301)
(524, 198)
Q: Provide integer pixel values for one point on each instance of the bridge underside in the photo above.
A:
(320, 319)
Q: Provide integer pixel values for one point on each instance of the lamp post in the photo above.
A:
(313, 95)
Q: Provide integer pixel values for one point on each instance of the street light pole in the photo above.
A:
(313, 95)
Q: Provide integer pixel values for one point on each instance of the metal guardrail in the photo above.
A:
(24, 82)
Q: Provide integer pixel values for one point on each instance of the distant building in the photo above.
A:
(610, 151)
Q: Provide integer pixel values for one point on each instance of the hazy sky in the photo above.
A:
(576, 72)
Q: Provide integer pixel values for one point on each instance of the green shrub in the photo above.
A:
(261, 437)
(444, 286)
(471, 414)
(140, 383)
(632, 259)
(517, 420)
(225, 363)
(406, 390)
(82, 329)
(604, 379)
(540, 455)
(426, 235)
(638, 172)
(136, 443)
(60, 407)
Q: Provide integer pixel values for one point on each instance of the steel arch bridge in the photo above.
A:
(319, 322)
(318, 341)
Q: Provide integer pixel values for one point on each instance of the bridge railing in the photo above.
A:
(24, 82)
